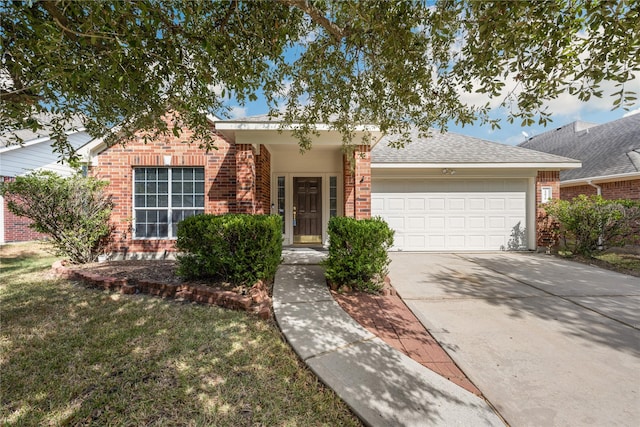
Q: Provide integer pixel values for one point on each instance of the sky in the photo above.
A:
(565, 110)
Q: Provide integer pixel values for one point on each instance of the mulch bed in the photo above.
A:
(158, 278)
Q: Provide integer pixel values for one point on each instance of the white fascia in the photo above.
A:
(600, 179)
(37, 141)
(226, 125)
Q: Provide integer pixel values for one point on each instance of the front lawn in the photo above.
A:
(627, 262)
(76, 356)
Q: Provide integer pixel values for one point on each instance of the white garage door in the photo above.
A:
(453, 215)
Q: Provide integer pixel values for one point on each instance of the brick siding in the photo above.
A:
(610, 190)
(357, 183)
(16, 228)
(263, 181)
(230, 184)
(545, 237)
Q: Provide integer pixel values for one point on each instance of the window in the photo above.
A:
(333, 196)
(546, 194)
(281, 189)
(162, 197)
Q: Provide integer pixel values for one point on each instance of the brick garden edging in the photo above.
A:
(256, 300)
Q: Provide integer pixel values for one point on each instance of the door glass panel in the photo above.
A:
(280, 204)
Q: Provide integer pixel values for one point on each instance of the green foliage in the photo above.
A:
(358, 252)
(589, 222)
(73, 211)
(239, 248)
(393, 63)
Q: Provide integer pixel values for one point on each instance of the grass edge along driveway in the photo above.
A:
(76, 356)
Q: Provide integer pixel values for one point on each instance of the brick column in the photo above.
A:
(357, 183)
(363, 182)
(545, 236)
(349, 187)
(263, 181)
(245, 179)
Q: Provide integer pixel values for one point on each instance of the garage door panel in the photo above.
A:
(517, 204)
(395, 204)
(495, 204)
(456, 241)
(416, 223)
(476, 242)
(443, 215)
(436, 203)
(415, 241)
(497, 222)
(476, 223)
(436, 242)
(456, 204)
(436, 223)
(457, 222)
(395, 222)
(476, 204)
(416, 204)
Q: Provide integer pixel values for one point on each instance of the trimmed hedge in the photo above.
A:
(238, 248)
(358, 253)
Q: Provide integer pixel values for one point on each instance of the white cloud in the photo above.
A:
(237, 112)
(632, 112)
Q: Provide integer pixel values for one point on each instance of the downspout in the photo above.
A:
(597, 187)
(599, 193)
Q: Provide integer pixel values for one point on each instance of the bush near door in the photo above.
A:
(358, 253)
(238, 248)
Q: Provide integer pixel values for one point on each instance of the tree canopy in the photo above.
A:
(393, 63)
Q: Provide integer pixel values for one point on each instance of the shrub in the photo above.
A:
(358, 252)
(73, 211)
(238, 248)
(589, 222)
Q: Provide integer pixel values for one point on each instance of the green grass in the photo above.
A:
(626, 261)
(76, 356)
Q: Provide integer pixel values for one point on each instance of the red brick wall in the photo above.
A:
(610, 190)
(544, 226)
(116, 166)
(263, 181)
(357, 183)
(16, 228)
(245, 179)
(349, 187)
(363, 181)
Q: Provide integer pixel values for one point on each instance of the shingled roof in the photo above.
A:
(456, 148)
(611, 148)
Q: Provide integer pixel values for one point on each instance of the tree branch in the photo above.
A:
(318, 17)
(63, 23)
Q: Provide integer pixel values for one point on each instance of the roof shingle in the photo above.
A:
(606, 149)
(455, 148)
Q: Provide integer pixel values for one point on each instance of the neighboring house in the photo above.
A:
(35, 153)
(448, 192)
(610, 155)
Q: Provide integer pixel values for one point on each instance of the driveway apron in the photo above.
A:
(547, 341)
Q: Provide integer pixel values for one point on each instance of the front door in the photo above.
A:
(307, 210)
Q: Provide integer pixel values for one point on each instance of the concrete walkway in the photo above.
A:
(381, 385)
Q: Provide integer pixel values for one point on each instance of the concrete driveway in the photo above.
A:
(548, 341)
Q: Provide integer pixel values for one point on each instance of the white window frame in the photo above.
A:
(546, 194)
(169, 208)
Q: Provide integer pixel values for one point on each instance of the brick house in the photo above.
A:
(610, 155)
(448, 192)
(35, 153)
